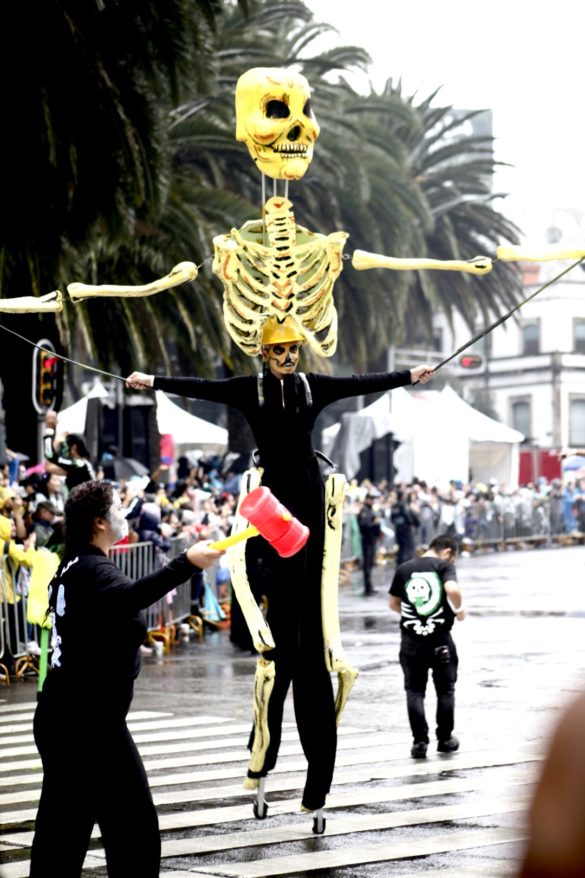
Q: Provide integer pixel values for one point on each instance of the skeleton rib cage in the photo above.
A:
(274, 268)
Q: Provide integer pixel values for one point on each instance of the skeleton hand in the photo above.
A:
(139, 381)
(421, 374)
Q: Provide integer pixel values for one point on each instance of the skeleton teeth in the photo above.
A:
(291, 148)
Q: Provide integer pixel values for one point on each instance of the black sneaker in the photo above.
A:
(419, 750)
(448, 746)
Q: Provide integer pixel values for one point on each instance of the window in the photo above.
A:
(531, 337)
(522, 416)
(579, 335)
(577, 422)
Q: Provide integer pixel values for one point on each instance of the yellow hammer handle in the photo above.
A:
(220, 545)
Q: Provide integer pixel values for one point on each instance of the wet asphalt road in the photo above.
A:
(522, 655)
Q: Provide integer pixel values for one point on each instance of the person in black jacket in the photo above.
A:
(281, 407)
(370, 530)
(93, 772)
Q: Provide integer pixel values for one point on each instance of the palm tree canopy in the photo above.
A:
(126, 163)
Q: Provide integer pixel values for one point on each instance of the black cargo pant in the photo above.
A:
(418, 656)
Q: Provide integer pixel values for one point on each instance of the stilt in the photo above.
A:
(260, 804)
(319, 822)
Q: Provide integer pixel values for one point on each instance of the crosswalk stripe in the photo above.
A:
(337, 825)
(34, 767)
(241, 812)
(372, 773)
(134, 726)
(338, 858)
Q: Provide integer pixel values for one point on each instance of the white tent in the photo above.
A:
(449, 439)
(345, 441)
(441, 436)
(186, 429)
(72, 419)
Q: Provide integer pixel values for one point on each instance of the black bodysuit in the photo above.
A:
(282, 417)
(93, 772)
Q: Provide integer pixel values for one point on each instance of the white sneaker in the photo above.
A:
(33, 648)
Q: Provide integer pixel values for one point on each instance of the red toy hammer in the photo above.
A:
(270, 519)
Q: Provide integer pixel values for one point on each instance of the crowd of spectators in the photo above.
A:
(475, 515)
(198, 501)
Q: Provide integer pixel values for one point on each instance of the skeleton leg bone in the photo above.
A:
(263, 685)
(335, 659)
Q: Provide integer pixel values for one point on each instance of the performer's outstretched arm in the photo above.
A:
(231, 391)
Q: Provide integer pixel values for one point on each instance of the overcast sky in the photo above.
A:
(523, 61)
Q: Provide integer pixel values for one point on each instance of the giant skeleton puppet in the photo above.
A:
(278, 280)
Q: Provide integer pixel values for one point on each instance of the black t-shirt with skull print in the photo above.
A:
(425, 610)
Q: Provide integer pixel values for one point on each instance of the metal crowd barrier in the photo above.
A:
(539, 522)
(530, 522)
(136, 560)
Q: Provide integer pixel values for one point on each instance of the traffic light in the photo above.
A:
(470, 361)
(45, 372)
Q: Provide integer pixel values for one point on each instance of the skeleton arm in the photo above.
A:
(362, 260)
(544, 254)
(50, 302)
(180, 274)
(479, 265)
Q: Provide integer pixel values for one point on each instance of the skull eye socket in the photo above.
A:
(278, 350)
(277, 110)
(307, 109)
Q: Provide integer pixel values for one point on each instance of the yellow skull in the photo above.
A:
(275, 121)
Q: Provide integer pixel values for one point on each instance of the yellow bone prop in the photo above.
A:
(508, 253)
(180, 274)
(259, 630)
(362, 260)
(263, 686)
(50, 302)
(335, 658)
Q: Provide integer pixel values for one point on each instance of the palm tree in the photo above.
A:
(89, 86)
(385, 170)
(455, 171)
(163, 175)
(342, 188)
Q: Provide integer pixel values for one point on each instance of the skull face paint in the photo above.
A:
(275, 120)
(282, 359)
(117, 520)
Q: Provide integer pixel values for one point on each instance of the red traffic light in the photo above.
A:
(470, 361)
(45, 376)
